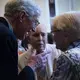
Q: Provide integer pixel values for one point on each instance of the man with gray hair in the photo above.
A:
(20, 17)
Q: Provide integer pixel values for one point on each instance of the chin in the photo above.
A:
(40, 50)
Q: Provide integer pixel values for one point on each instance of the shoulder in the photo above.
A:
(4, 21)
(75, 50)
(74, 54)
(4, 27)
(5, 31)
(63, 63)
(55, 52)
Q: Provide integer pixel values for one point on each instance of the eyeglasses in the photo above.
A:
(35, 23)
(34, 20)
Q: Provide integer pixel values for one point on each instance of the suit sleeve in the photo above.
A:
(26, 74)
(8, 53)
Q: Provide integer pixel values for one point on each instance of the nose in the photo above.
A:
(40, 37)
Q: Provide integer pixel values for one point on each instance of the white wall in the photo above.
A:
(45, 16)
(66, 5)
(2, 4)
(62, 6)
(76, 5)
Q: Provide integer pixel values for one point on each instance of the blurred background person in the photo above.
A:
(21, 49)
(50, 38)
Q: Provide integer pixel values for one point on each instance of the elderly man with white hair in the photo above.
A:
(40, 56)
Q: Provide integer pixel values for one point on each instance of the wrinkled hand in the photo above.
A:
(38, 61)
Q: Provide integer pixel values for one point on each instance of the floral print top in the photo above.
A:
(63, 69)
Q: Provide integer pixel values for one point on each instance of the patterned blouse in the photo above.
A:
(63, 64)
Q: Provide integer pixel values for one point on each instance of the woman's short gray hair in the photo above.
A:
(14, 6)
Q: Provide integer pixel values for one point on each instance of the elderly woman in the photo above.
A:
(66, 29)
(20, 16)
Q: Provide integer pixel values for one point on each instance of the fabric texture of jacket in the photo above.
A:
(8, 52)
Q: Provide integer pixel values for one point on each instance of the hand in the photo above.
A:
(38, 61)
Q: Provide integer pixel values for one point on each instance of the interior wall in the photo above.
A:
(76, 5)
(2, 4)
(45, 15)
(62, 6)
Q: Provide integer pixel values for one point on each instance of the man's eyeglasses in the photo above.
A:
(33, 19)
(35, 23)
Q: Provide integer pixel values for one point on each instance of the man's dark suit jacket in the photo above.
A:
(9, 56)
(26, 74)
(8, 52)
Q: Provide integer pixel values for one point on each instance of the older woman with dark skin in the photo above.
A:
(66, 29)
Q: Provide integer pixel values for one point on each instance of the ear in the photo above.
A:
(22, 16)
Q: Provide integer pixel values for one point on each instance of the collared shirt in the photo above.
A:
(63, 64)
